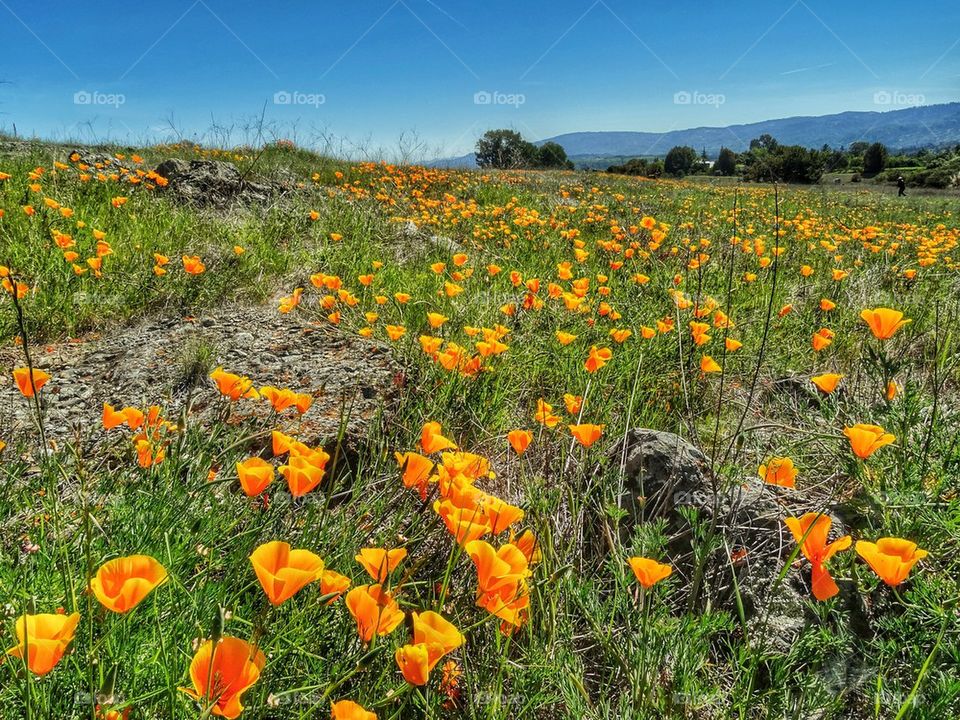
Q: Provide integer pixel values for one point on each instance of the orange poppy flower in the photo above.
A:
(28, 382)
(464, 523)
(892, 389)
(891, 558)
(867, 439)
(527, 543)
(233, 386)
(433, 638)
(519, 440)
(284, 572)
(564, 338)
(305, 469)
(709, 365)
(255, 475)
(396, 332)
(827, 382)
(280, 400)
(436, 632)
(379, 563)
(414, 663)
(193, 265)
(544, 414)
(374, 610)
(597, 359)
(44, 638)
(416, 471)
(779, 471)
(821, 339)
(112, 418)
(431, 441)
(121, 584)
(349, 710)
(816, 528)
(884, 322)
(500, 513)
(281, 443)
(435, 319)
(573, 403)
(497, 569)
(333, 583)
(649, 572)
(230, 669)
(586, 434)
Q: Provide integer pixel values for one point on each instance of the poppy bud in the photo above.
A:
(219, 620)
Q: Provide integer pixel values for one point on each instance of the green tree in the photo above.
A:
(679, 161)
(726, 162)
(552, 155)
(875, 158)
(764, 142)
(505, 149)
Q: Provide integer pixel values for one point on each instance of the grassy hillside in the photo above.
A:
(574, 307)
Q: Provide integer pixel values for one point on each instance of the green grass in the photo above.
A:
(590, 649)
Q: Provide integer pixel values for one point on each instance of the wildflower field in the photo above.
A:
(492, 541)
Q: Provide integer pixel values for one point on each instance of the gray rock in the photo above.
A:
(665, 477)
(211, 182)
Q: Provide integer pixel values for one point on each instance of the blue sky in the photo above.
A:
(359, 76)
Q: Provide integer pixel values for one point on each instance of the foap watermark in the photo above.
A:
(485, 97)
(81, 698)
(487, 698)
(685, 97)
(288, 699)
(295, 97)
(87, 97)
(898, 98)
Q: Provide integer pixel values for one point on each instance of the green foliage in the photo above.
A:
(507, 150)
(679, 161)
(726, 162)
(875, 158)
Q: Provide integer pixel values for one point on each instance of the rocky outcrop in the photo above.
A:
(212, 182)
(666, 478)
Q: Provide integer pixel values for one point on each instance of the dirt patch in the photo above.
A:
(167, 360)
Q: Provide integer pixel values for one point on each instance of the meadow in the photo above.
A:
(481, 548)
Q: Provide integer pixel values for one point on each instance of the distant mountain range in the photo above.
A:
(909, 128)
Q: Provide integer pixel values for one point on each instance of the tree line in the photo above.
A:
(766, 160)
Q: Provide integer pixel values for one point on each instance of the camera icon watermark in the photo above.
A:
(898, 98)
(295, 97)
(686, 97)
(87, 97)
(485, 97)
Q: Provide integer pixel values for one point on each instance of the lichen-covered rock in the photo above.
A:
(211, 182)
